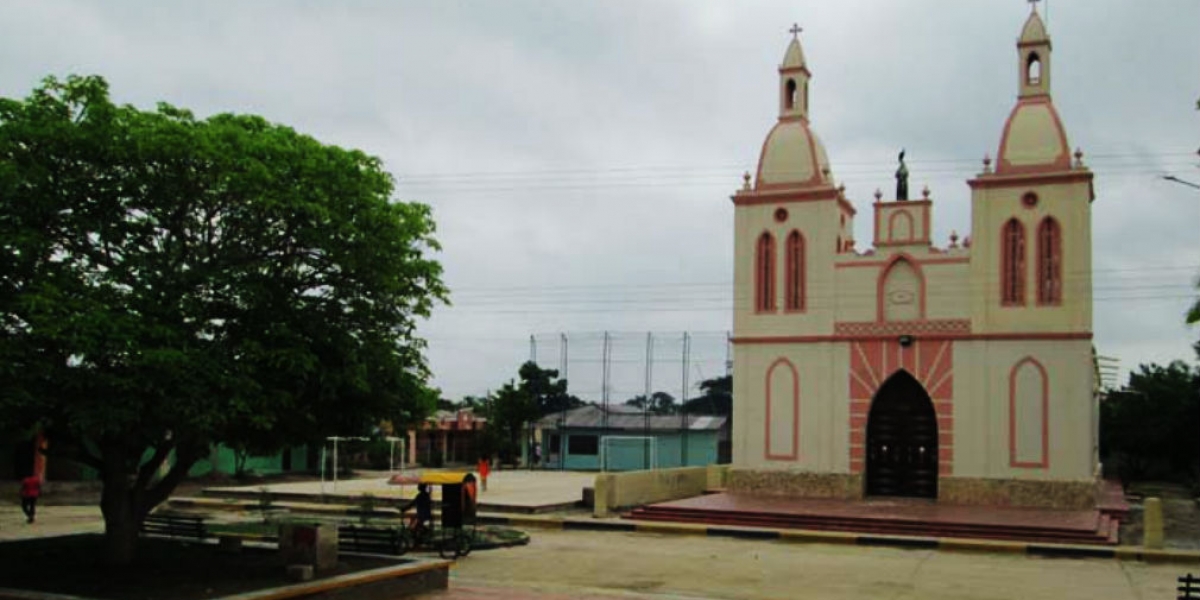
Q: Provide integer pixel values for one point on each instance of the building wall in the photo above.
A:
(629, 456)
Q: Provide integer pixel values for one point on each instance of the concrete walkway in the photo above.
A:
(562, 564)
(51, 521)
(522, 491)
(585, 564)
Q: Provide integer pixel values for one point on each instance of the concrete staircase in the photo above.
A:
(1077, 527)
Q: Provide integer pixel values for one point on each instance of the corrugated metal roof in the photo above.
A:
(592, 417)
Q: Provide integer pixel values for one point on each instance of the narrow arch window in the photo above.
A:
(1033, 69)
(764, 274)
(794, 281)
(1049, 262)
(1012, 264)
(789, 97)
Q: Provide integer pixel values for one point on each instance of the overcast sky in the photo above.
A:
(579, 155)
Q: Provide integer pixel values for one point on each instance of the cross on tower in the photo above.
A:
(796, 29)
(1033, 4)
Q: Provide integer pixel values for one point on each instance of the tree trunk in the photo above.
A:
(122, 518)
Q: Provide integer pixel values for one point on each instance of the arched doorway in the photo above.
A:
(902, 440)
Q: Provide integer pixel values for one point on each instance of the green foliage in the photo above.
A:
(168, 282)
(660, 403)
(549, 393)
(516, 406)
(1148, 430)
(716, 397)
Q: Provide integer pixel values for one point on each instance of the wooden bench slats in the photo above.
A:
(175, 526)
(370, 539)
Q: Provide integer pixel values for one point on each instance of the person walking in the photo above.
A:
(31, 489)
(484, 468)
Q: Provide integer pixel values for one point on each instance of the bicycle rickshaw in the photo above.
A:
(456, 533)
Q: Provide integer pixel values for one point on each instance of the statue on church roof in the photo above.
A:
(902, 179)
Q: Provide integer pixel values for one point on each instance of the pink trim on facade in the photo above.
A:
(785, 194)
(882, 279)
(795, 273)
(1012, 263)
(1060, 163)
(1049, 263)
(953, 260)
(966, 337)
(764, 274)
(795, 454)
(1044, 463)
(873, 362)
(817, 176)
(912, 226)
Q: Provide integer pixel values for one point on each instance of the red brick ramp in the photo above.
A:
(890, 517)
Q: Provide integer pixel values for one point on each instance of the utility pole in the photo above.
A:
(649, 370)
(683, 420)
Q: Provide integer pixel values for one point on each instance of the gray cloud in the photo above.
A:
(623, 127)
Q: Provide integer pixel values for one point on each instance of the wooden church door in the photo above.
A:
(902, 440)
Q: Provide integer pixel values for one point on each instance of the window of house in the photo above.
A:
(583, 445)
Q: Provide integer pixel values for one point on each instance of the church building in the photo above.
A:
(960, 371)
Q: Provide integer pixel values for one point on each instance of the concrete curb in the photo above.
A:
(835, 537)
(1137, 553)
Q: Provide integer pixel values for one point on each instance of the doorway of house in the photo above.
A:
(902, 440)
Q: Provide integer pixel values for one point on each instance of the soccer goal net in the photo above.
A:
(628, 452)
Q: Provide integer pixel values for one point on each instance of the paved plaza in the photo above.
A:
(511, 490)
(572, 564)
(581, 564)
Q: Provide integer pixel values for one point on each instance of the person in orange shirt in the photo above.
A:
(484, 468)
(31, 489)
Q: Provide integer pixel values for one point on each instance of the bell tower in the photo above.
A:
(1033, 52)
(793, 80)
(1031, 216)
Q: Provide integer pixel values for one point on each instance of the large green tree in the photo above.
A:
(1148, 429)
(169, 282)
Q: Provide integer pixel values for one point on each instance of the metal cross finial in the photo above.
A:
(796, 29)
(1033, 4)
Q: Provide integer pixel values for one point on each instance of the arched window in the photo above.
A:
(1012, 264)
(1033, 69)
(789, 97)
(764, 274)
(794, 276)
(1049, 266)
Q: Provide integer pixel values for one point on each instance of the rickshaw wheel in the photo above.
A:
(448, 546)
(464, 541)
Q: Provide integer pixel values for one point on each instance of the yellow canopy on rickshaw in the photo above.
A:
(445, 478)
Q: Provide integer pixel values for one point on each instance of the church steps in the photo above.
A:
(1103, 533)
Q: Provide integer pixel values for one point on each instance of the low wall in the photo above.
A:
(615, 491)
(1073, 495)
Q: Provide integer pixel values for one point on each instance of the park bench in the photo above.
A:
(173, 525)
(374, 540)
(1189, 587)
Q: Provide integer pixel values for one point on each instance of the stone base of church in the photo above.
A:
(796, 484)
(1072, 495)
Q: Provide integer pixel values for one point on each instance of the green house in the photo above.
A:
(620, 438)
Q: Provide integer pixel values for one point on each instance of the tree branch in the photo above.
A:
(186, 455)
(147, 470)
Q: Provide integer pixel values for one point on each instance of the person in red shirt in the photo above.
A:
(31, 488)
(484, 468)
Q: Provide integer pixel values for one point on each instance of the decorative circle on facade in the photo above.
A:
(781, 215)
(1029, 200)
